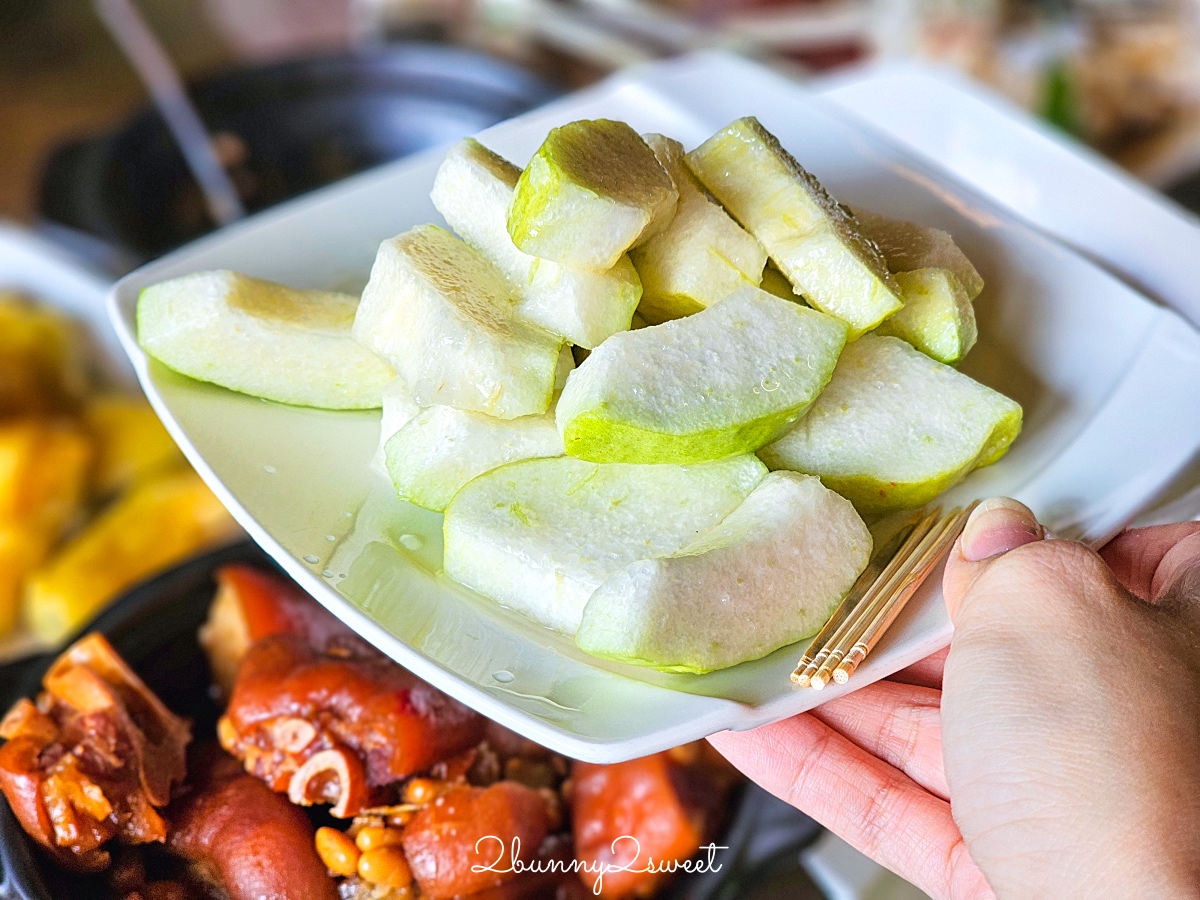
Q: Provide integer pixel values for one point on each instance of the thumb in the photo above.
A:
(994, 528)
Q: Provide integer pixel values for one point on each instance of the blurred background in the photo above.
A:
(297, 93)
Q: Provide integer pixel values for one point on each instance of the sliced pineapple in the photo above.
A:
(130, 442)
(44, 469)
(157, 524)
(42, 363)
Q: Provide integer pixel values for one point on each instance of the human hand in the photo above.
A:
(1065, 757)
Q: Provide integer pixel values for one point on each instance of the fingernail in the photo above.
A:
(997, 526)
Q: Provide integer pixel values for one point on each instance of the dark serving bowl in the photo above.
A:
(282, 129)
(154, 628)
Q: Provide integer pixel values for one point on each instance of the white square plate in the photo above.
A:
(1031, 168)
(1109, 382)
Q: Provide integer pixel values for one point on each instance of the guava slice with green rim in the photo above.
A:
(701, 257)
(726, 380)
(814, 241)
(261, 338)
(541, 535)
(894, 428)
(938, 318)
(769, 575)
(908, 246)
(473, 191)
(398, 408)
(592, 191)
(441, 448)
(445, 319)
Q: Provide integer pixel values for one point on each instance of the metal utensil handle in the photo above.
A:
(147, 56)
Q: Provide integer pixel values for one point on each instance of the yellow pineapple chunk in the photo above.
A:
(41, 368)
(21, 551)
(130, 442)
(154, 526)
(43, 473)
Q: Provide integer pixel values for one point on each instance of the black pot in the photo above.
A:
(286, 128)
(154, 628)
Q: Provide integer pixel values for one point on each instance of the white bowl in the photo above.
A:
(1110, 384)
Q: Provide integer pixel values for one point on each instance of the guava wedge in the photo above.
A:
(473, 191)
(441, 448)
(937, 283)
(261, 338)
(814, 241)
(540, 535)
(566, 365)
(452, 446)
(895, 428)
(701, 257)
(398, 408)
(592, 191)
(769, 575)
(908, 246)
(445, 319)
(725, 380)
(938, 318)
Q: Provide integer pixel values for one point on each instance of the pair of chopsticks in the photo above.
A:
(879, 596)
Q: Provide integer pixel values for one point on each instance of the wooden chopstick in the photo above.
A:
(879, 596)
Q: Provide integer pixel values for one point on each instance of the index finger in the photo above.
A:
(862, 799)
(925, 672)
(1136, 556)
